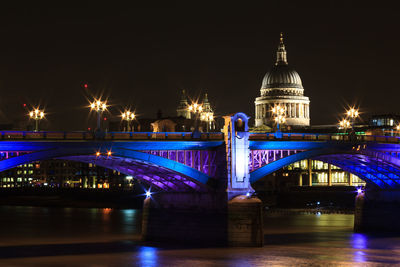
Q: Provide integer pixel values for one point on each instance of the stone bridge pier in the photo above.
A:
(226, 214)
(377, 211)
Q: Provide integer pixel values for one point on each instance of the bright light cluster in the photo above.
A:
(279, 113)
(36, 114)
(198, 108)
(348, 122)
(207, 116)
(344, 123)
(128, 115)
(195, 108)
(98, 105)
(352, 113)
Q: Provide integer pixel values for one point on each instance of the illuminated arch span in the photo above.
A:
(163, 173)
(375, 168)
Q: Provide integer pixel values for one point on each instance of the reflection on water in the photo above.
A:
(48, 236)
(147, 256)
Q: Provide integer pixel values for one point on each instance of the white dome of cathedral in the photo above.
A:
(282, 76)
(282, 86)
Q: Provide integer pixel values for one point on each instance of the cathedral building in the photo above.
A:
(282, 86)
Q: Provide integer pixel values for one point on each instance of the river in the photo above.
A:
(38, 236)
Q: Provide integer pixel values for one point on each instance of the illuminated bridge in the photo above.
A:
(179, 162)
(209, 163)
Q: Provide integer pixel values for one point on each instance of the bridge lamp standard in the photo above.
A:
(208, 117)
(344, 124)
(197, 109)
(279, 113)
(98, 106)
(128, 116)
(352, 113)
(37, 115)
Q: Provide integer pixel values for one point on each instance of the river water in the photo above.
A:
(38, 236)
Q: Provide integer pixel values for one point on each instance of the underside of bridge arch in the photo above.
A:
(165, 174)
(376, 169)
(154, 175)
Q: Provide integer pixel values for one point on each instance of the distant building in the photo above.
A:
(282, 86)
(385, 124)
(307, 173)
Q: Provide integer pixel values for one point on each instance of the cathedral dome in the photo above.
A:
(282, 76)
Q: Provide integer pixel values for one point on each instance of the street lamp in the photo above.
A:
(196, 109)
(352, 114)
(98, 106)
(208, 117)
(344, 124)
(279, 113)
(36, 115)
(128, 116)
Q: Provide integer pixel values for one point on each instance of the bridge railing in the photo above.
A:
(324, 137)
(45, 135)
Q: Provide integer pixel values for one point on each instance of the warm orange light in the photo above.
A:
(97, 153)
(109, 153)
(98, 105)
(36, 114)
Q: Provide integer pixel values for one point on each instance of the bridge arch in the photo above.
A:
(157, 171)
(375, 168)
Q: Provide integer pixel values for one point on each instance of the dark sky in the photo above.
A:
(143, 56)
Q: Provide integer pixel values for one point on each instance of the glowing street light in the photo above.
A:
(344, 124)
(98, 106)
(197, 110)
(37, 115)
(148, 193)
(352, 113)
(279, 113)
(128, 116)
(208, 117)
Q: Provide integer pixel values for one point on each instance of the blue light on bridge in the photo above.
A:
(148, 193)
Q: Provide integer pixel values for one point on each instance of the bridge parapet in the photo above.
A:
(29, 135)
(323, 137)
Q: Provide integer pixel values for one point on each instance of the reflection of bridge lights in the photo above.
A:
(147, 256)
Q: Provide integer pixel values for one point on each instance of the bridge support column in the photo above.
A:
(192, 218)
(377, 211)
(245, 224)
(309, 164)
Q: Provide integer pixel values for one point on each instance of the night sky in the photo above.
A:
(143, 56)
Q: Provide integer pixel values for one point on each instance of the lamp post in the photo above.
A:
(279, 113)
(36, 115)
(196, 109)
(352, 114)
(98, 106)
(344, 124)
(208, 117)
(128, 116)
